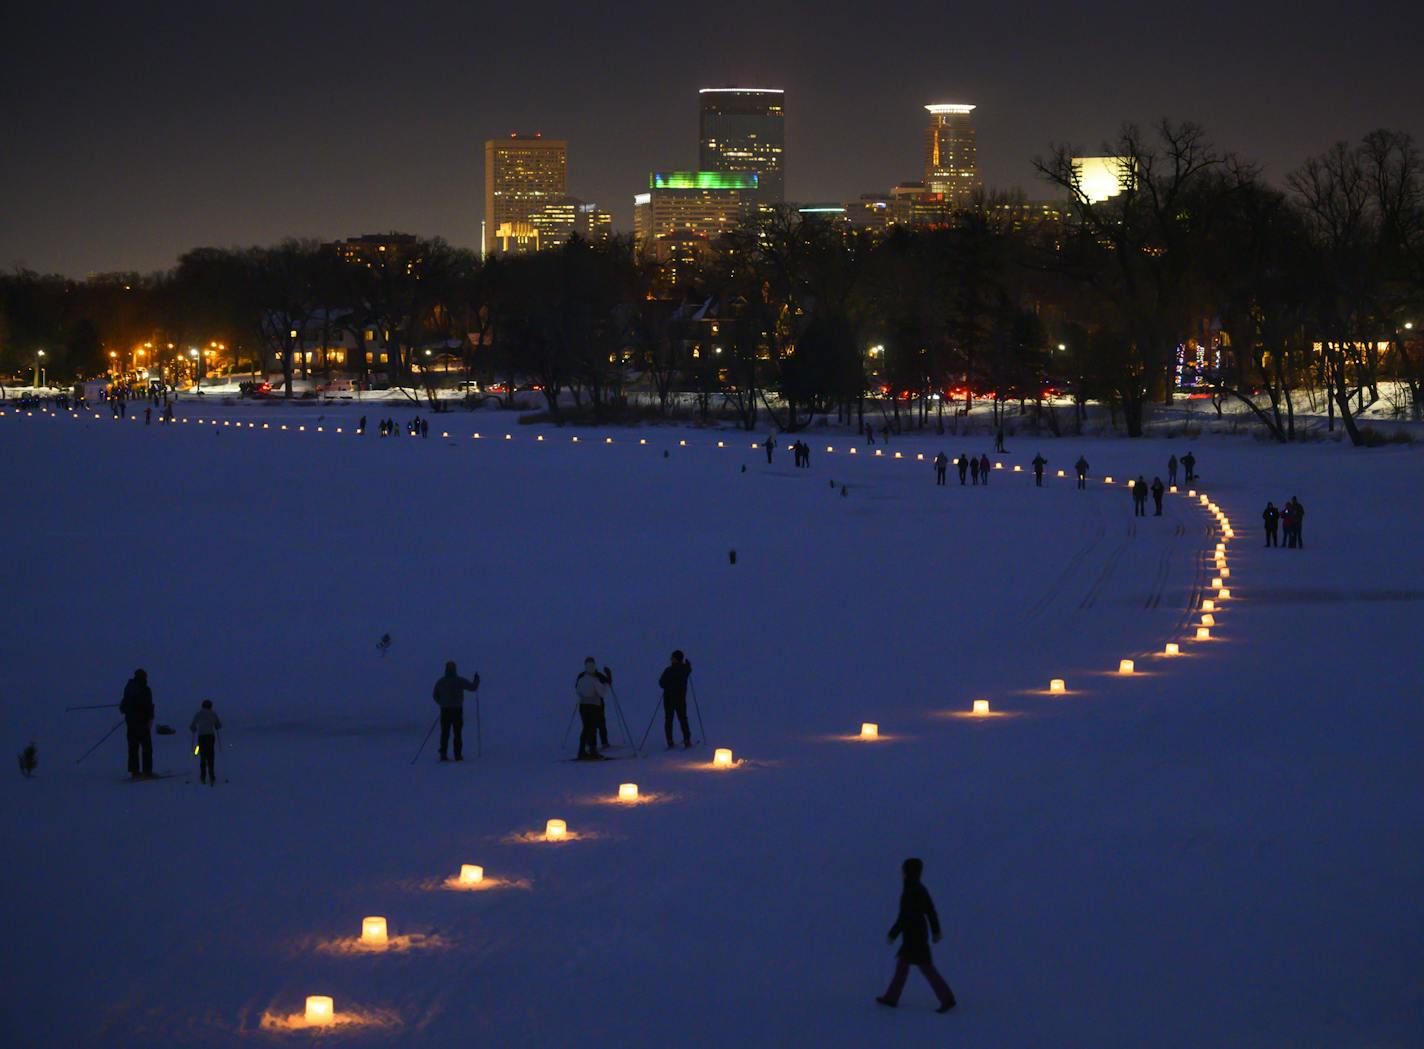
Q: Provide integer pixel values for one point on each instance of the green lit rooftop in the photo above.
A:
(702, 180)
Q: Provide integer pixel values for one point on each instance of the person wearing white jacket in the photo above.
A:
(205, 727)
(592, 688)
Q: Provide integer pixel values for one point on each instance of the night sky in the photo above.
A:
(133, 131)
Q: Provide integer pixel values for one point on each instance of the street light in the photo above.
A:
(197, 365)
(39, 355)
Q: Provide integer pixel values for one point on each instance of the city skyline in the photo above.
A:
(171, 134)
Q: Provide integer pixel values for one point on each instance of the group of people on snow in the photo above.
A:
(138, 713)
(1287, 519)
(415, 427)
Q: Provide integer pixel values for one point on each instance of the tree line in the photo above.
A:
(1305, 289)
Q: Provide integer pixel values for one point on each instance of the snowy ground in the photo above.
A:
(1223, 850)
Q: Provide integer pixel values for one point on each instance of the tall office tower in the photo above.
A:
(701, 204)
(951, 162)
(523, 174)
(744, 129)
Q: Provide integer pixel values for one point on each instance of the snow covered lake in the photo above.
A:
(1225, 848)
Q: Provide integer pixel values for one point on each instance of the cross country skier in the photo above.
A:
(592, 688)
(673, 682)
(915, 924)
(137, 709)
(449, 695)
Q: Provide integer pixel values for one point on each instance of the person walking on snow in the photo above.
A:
(1287, 517)
(770, 445)
(1297, 519)
(941, 465)
(984, 468)
(1271, 517)
(592, 688)
(1039, 462)
(1189, 464)
(1157, 490)
(963, 463)
(999, 440)
(1172, 470)
(1082, 467)
(1139, 497)
(449, 696)
(205, 727)
(915, 925)
(137, 709)
(673, 682)
(974, 469)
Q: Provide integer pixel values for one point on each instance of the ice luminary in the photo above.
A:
(373, 931)
(321, 1010)
(627, 792)
(1223, 594)
(1057, 685)
(722, 758)
(1208, 605)
(1216, 582)
(1203, 633)
(1125, 666)
(1107, 479)
(1172, 649)
(869, 730)
(981, 706)
(471, 874)
(1208, 620)
(1062, 474)
(556, 830)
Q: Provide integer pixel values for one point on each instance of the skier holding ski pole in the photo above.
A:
(137, 709)
(592, 688)
(449, 694)
(673, 682)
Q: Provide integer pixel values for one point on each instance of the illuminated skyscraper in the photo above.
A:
(693, 205)
(951, 161)
(744, 129)
(523, 175)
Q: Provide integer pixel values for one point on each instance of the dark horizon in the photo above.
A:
(138, 134)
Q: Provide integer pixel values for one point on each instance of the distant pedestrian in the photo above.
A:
(915, 926)
(770, 445)
(424, 427)
(1139, 497)
(885, 433)
(984, 468)
(1287, 518)
(1189, 464)
(148, 416)
(1039, 462)
(1082, 467)
(449, 696)
(974, 469)
(1172, 470)
(1157, 490)
(1297, 522)
(673, 682)
(205, 727)
(137, 709)
(361, 426)
(1271, 517)
(963, 463)
(870, 435)
(941, 464)
(999, 440)
(592, 689)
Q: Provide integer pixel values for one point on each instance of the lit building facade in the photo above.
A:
(744, 130)
(951, 155)
(1102, 178)
(524, 174)
(703, 204)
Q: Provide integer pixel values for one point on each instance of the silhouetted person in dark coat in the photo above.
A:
(1157, 489)
(1139, 497)
(592, 689)
(999, 440)
(984, 468)
(1297, 520)
(963, 465)
(1271, 517)
(941, 465)
(1288, 523)
(1082, 467)
(449, 695)
(770, 445)
(137, 709)
(915, 925)
(673, 682)
(1039, 462)
(1189, 464)
(974, 469)
(1172, 470)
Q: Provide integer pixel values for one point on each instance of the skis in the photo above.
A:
(151, 775)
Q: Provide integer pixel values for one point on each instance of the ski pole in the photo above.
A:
(618, 706)
(697, 707)
(101, 740)
(479, 733)
(572, 717)
(426, 740)
(93, 706)
(650, 724)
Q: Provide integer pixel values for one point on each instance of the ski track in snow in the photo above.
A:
(1144, 589)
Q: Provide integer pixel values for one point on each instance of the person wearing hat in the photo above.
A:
(592, 688)
(916, 923)
(449, 696)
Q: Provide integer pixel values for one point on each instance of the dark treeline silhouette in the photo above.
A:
(1314, 286)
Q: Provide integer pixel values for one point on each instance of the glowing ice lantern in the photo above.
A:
(539, 438)
(722, 758)
(1208, 620)
(471, 874)
(556, 830)
(1225, 573)
(1204, 499)
(981, 707)
(642, 440)
(608, 440)
(1173, 489)
(1062, 474)
(898, 455)
(1223, 594)
(373, 931)
(1172, 649)
(1125, 666)
(1108, 479)
(1208, 605)
(1203, 633)
(1057, 685)
(1216, 582)
(627, 792)
(1018, 469)
(321, 1010)
(869, 730)
(1221, 548)
(575, 440)
(682, 444)
(1191, 493)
